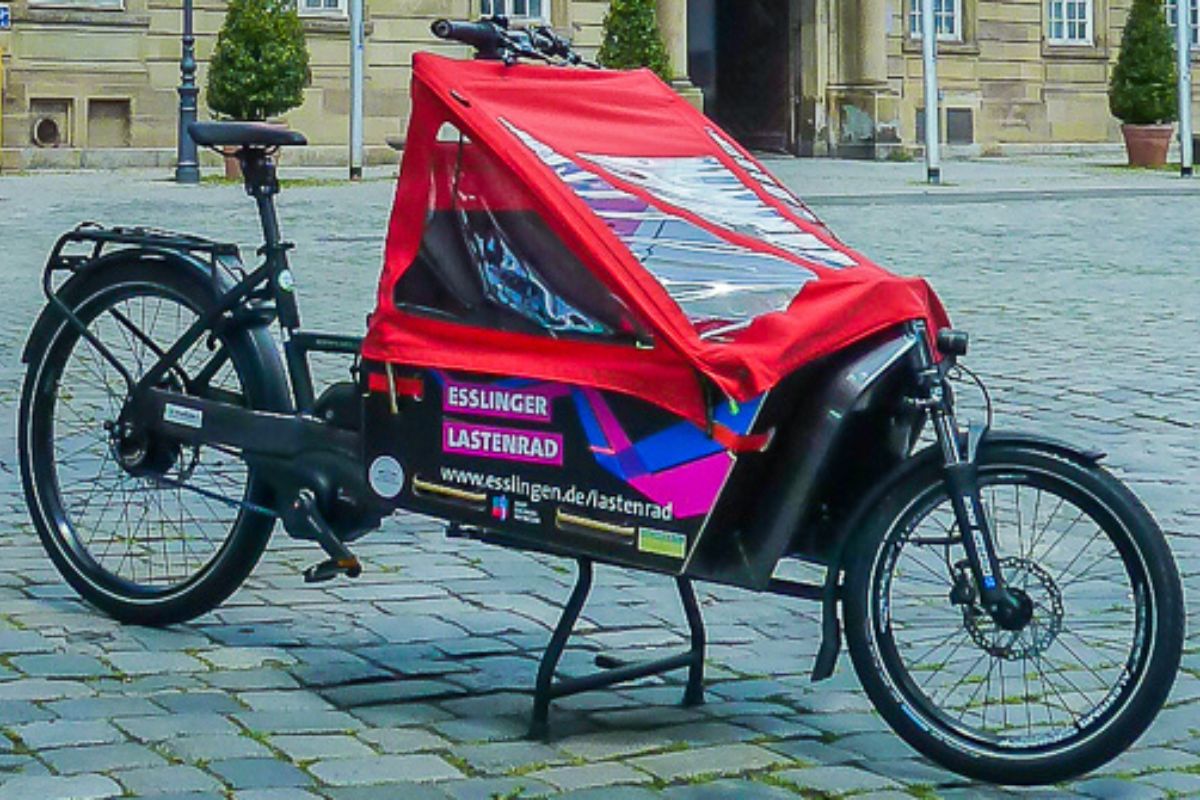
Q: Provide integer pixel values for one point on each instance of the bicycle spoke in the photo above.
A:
(138, 529)
(1057, 670)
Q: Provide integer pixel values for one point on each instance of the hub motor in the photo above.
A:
(139, 453)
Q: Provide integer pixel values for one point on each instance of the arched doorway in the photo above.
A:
(744, 56)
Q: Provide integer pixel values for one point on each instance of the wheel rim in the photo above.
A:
(137, 536)
(1058, 681)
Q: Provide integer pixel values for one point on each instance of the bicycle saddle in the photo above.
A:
(244, 134)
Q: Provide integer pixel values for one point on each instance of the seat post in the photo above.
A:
(262, 183)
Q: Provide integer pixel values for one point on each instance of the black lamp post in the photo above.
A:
(187, 164)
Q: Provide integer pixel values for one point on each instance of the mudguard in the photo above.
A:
(270, 371)
(830, 624)
(1086, 456)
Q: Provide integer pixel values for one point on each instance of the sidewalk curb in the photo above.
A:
(951, 196)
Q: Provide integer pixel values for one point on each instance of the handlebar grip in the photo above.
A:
(549, 43)
(484, 36)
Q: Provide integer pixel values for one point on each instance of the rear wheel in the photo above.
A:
(1068, 691)
(133, 523)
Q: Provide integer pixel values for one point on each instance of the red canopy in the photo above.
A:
(617, 238)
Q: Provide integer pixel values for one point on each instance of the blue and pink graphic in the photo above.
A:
(679, 466)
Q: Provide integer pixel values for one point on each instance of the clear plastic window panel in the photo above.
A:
(719, 284)
(488, 258)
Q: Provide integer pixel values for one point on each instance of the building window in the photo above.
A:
(947, 19)
(1194, 7)
(516, 9)
(322, 8)
(81, 5)
(1070, 22)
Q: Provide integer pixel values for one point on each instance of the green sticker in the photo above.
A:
(662, 543)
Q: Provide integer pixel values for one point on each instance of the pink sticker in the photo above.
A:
(482, 400)
(506, 444)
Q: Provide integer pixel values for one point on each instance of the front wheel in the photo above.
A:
(1071, 689)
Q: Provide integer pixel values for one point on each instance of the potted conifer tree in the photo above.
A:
(1142, 91)
(260, 66)
(632, 38)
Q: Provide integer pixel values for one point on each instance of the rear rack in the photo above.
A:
(99, 237)
(219, 255)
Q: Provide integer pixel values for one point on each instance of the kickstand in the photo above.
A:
(547, 689)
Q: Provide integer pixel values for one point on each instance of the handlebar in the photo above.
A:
(483, 35)
(493, 39)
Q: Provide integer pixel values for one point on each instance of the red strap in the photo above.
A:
(405, 386)
(741, 443)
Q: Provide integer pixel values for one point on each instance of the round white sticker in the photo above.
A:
(286, 281)
(386, 477)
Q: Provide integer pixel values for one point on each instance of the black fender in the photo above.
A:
(1086, 456)
(273, 389)
(831, 626)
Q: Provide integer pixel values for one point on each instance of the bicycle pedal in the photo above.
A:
(328, 570)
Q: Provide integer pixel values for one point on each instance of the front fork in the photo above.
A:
(961, 472)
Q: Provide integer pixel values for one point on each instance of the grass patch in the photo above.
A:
(292, 183)
(19, 746)
(515, 794)
(258, 736)
(1168, 167)
(9, 619)
(772, 779)
(460, 763)
(527, 769)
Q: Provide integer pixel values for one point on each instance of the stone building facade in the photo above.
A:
(93, 82)
(830, 77)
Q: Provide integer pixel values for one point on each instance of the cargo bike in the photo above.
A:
(603, 331)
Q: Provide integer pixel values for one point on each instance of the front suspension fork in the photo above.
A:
(978, 538)
(962, 483)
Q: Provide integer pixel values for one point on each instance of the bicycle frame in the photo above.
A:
(503, 389)
(271, 281)
(300, 452)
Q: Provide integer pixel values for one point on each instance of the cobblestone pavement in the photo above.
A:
(413, 682)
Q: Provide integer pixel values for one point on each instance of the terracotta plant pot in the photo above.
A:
(233, 167)
(1147, 144)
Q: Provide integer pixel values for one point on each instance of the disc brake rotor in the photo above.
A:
(1026, 577)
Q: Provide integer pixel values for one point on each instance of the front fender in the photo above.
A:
(1086, 456)
(831, 626)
